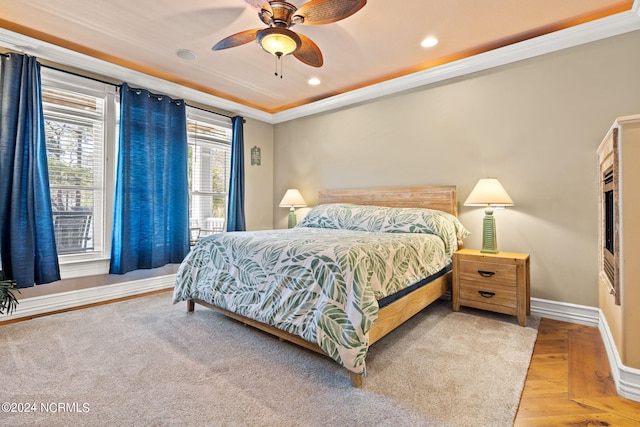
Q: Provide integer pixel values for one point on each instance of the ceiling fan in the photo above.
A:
(280, 16)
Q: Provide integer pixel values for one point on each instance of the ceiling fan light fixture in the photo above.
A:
(278, 41)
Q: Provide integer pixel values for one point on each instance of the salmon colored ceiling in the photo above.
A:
(378, 43)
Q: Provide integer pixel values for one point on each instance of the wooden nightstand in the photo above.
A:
(495, 282)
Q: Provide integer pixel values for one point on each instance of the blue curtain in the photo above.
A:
(235, 214)
(151, 214)
(27, 244)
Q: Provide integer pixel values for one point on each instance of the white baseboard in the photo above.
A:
(627, 379)
(35, 306)
(565, 312)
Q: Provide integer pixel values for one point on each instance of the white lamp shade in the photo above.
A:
(292, 198)
(488, 191)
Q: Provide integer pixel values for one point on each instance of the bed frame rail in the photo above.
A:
(389, 317)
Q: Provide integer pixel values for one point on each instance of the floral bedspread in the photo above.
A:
(321, 284)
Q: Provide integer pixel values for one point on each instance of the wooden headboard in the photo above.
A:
(443, 198)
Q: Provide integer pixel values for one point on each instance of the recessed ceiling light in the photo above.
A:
(186, 54)
(314, 81)
(429, 42)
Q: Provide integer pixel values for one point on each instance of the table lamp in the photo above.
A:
(292, 199)
(490, 193)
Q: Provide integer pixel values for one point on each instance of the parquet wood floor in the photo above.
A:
(569, 382)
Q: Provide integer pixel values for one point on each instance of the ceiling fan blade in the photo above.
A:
(319, 12)
(236, 39)
(265, 12)
(259, 4)
(309, 52)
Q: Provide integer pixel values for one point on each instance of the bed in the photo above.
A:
(354, 269)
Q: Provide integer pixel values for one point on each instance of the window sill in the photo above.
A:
(72, 266)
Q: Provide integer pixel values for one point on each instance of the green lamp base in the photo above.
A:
(489, 243)
(293, 220)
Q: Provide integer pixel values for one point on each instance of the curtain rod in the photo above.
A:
(119, 85)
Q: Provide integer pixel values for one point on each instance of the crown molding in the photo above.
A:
(614, 25)
(67, 57)
(584, 33)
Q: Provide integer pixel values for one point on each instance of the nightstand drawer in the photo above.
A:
(473, 291)
(495, 282)
(487, 272)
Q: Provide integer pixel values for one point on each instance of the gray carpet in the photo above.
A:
(146, 362)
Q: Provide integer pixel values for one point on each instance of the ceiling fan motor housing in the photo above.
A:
(280, 15)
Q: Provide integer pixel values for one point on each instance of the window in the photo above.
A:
(81, 117)
(209, 139)
(75, 111)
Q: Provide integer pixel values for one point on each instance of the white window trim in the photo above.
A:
(96, 262)
(214, 119)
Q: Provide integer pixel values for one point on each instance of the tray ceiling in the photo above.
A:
(379, 43)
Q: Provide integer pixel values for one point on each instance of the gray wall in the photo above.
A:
(534, 124)
(258, 179)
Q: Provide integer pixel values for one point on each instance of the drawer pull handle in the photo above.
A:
(484, 273)
(486, 294)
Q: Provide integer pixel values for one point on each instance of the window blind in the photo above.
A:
(209, 139)
(75, 134)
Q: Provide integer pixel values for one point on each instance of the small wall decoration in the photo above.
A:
(255, 156)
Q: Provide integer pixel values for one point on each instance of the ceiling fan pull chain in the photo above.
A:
(278, 61)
